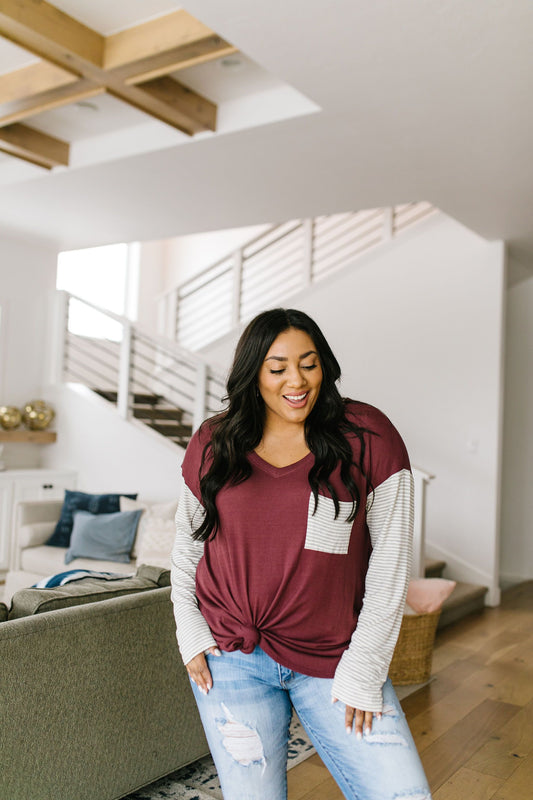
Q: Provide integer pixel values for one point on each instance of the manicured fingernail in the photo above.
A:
(367, 731)
(348, 730)
(379, 715)
(359, 735)
(216, 652)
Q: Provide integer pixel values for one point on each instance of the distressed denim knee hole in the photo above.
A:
(241, 740)
(386, 738)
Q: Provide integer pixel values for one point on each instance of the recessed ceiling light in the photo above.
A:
(85, 105)
(231, 62)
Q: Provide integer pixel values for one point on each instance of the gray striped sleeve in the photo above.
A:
(363, 667)
(192, 631)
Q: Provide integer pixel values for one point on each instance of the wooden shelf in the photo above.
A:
(35, 437)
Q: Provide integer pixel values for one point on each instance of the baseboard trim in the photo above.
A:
(509, 579)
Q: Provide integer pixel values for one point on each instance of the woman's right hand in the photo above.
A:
(199, 671)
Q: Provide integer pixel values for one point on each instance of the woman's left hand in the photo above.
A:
(363, 719)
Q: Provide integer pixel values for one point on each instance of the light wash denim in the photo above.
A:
(246, 718)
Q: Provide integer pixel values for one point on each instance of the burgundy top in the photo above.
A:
(279, 576)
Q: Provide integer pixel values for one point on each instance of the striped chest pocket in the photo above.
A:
(325, 533)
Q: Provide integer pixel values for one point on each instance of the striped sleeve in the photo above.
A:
(363, 667)
(192, 631)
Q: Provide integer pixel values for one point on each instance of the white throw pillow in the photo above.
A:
(152, 519)
(157, 542)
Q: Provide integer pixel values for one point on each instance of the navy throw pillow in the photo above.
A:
(80, 501)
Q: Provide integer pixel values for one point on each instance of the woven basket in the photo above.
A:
(411, 662)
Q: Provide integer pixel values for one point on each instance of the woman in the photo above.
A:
(290, 570)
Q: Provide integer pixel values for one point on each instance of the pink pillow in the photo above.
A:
(425, 595)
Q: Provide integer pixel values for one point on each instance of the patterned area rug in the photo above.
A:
(199, 780)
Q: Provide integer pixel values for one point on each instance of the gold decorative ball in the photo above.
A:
(37, 415)
(10, 417)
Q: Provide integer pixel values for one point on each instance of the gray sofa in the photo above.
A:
(32, 559)
(95, 701)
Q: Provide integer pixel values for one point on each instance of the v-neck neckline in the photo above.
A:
(278, 472)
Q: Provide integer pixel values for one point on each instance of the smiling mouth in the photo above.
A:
(296, 400)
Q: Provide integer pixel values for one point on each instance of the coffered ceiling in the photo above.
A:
(321, 108)
(74, 71)
(138, 66)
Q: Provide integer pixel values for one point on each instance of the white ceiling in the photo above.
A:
(408, 100)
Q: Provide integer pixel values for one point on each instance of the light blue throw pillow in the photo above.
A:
(107, 537)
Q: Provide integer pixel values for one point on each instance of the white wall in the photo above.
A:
(418, 329)
(517, 499)
(109, 454)
(27, 275)
(188, 255)
(165, 264)
(151, 283)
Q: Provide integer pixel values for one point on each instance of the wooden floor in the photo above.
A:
(473, 723)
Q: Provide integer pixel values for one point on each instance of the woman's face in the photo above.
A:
(290, 377)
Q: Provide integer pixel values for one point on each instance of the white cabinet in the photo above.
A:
(27, 484)
(6, 493)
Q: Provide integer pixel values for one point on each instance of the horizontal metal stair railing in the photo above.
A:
(279, 262)
(136, 369)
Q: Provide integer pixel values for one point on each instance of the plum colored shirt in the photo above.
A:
(321, 595)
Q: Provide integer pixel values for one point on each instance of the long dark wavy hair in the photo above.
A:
(238, 430)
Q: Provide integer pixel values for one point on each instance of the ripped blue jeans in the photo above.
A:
(246, 718)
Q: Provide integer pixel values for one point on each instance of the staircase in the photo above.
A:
(157, 414)
(148, 378)
(171, 390)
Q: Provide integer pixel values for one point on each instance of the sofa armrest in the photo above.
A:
(31, 511)
(34, 535)
(34, 523)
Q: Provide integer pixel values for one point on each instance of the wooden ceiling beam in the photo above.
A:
(34, 146)
(153, 38)
(172, 111)
(26, 107)
(34, 79)
(51, 34)
(165, 63)
(20, 157)
(79, 63)
(171, 108)
(150, 103)
(162, 46)
(201, 111)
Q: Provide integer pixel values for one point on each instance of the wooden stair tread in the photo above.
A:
(147, 399)
(171, 430)
(165, 419)
(138, 398)
(464, 592)
(155, 413)
(433, 567)
(466, 598)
